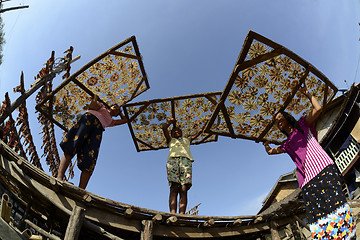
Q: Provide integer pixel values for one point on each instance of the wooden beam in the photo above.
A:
(75, 223)
(121, 54)
(227, 119)
(169, 99)
(171, 220)
(87, 198)
(209, 223)
(259, 59)
(258, 219)
(157, 218)
(147, 230)
(237, 222)
(128, 213)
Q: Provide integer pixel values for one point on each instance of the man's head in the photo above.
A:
(176, 132)
(114, 110)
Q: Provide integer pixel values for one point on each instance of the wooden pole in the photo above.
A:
(274, 231)
(12, 8)
(74, 226)
(147, 230)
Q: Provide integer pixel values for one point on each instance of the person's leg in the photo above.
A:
(87, 158)
(84, 179)
(174, 190)
(64, 163)
(186, 182)
(183, 198)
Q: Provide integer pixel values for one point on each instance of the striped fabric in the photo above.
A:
(316, 159)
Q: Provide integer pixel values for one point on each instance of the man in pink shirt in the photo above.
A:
(84, 139)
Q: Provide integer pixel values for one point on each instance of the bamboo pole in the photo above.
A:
(41, 231)
(36, 237)
(26, 233)
(12, 8)
(4, 202)
(7, 213)
(75, 223)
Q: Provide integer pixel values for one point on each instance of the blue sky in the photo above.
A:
(188, 47)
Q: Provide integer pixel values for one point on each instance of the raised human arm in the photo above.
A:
(94, 104)
(272, 151)
(311, 117)
(117, 122)
(165, 128)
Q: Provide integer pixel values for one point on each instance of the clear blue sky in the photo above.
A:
(188, 47)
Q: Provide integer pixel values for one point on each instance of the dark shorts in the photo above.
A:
(84, 140)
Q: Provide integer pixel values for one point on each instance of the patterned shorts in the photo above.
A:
(84, 139)
(329, 215)
(179, 170)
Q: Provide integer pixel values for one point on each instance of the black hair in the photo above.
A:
(292, 121)
(115, 104)
(172, 130)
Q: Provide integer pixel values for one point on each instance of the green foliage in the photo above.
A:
(2, 39)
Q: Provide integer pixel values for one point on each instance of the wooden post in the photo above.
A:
(147, 230)
(274, 231)
(75, 223)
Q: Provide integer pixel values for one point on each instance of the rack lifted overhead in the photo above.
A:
(191, 113)
(117, 76)
(266, 78)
